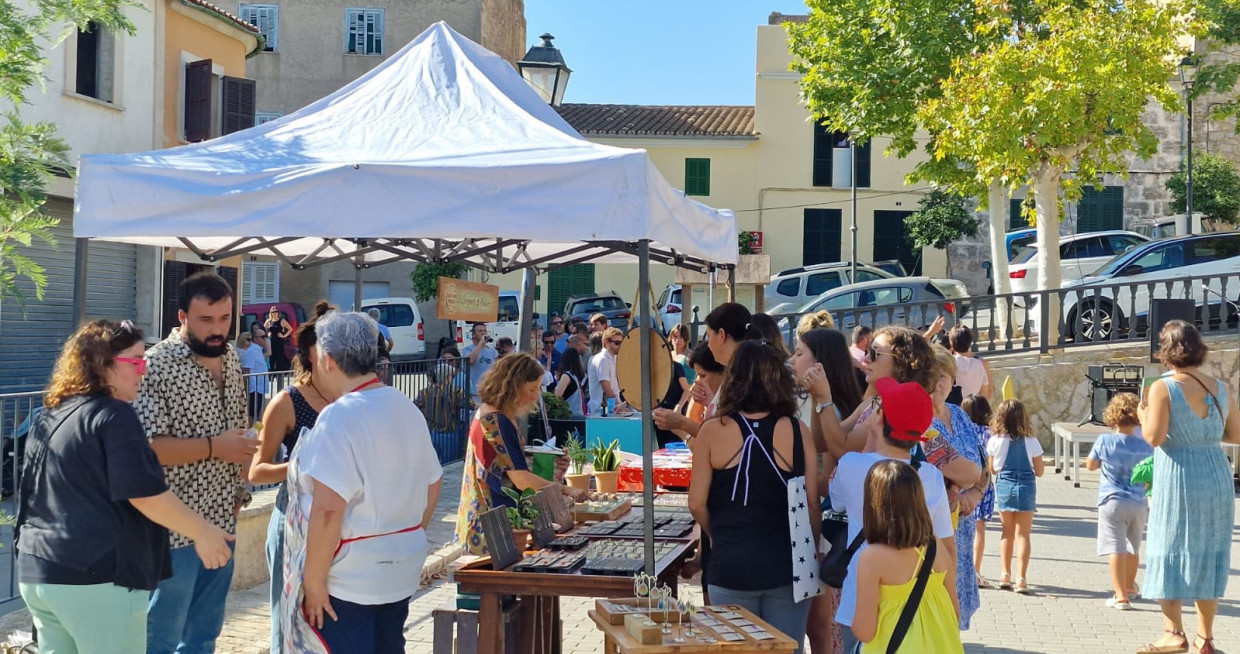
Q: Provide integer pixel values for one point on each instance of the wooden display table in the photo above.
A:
(617, 640)
(540, 592)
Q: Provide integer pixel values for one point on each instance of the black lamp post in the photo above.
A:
(1188, 70)
(544, 69)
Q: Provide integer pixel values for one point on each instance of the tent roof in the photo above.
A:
(442, 152)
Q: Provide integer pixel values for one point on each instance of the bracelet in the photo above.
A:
(210, 449)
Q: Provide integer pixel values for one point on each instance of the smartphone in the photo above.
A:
(1145, 387)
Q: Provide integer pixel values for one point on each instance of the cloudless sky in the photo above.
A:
(656, 52)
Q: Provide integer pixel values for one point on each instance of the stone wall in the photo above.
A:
(250, 559)
(1054, 389)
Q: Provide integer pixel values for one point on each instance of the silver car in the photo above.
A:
(912, 301)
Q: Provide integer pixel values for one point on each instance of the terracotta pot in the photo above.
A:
(607, 482)
(581, 481)
(522, 538)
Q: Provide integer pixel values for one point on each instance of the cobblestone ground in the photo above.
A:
(1064, 614)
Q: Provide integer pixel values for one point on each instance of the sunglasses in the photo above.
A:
(126, 326)
(557, 322)
(873, 354)
(139, 363)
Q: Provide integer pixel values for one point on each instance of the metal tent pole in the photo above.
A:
(853, 183)
(80, 263)
(357, 280)
(528, 285)
(644, 319)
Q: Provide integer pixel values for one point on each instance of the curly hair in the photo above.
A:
(501, 386)
(914, 360)
(1011, 420)
(1180, 345)
(1121, 411)
(756, 381)
(85, 358)
(978, 408)
(816, 320)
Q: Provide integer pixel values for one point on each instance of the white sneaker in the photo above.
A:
(1116, 603)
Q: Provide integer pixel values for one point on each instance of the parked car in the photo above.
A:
(609, 304)
(892, 266)
(883, 302)
(402, 318)
(1019, 240)
(1158, 267)
(800, 285)
(508, 320)
(1079, 255)
(670, 309)
(293, 312)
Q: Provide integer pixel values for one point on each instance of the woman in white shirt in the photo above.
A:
(367, 480)
(972, 373)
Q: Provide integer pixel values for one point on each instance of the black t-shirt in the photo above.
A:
(84, 461)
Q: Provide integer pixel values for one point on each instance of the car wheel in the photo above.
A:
(1094, 320)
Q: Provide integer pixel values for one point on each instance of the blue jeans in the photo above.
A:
(275, 566)
(774, 606)
(851, 644)
(187, 610)
(366, 628)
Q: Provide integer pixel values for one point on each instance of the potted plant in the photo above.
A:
(522, 515)
(606, 466)
(578, 456)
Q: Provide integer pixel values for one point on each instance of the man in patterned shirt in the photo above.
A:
(192, 403)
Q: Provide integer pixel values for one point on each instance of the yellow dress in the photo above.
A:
(934, 627)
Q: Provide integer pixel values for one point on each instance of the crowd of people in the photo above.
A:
(879, 443)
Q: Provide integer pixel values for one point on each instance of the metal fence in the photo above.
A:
(1096, 314)
(445, 402)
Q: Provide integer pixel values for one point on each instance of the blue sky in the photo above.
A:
(656, 52)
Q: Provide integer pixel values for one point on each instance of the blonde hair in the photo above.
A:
(812, 321)
(612, 332)
(944, 361)
(1121, 411)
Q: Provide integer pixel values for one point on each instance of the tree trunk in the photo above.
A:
(1046, 196)
(997, 208)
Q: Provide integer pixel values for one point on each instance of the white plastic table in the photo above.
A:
(1068, 440)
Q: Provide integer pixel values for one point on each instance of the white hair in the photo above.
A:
(350, 339)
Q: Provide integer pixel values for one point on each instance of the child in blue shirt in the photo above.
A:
(1122, 510)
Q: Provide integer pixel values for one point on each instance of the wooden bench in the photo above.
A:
(459, 627)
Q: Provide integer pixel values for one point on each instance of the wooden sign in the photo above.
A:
(468, 301)
(500, 542)
(550, 501)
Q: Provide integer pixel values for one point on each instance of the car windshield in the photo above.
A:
(597, 304)
(1025, 255)
(1117, 262)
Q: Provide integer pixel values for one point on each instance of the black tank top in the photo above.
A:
(751, 546)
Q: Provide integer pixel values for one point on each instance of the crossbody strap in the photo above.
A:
(914, 599)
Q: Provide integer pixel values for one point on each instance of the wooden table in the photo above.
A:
(540, 619)
(1068, 440)
(616, 640)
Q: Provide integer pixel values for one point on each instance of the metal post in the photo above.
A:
(528, 284)
(80, 264)
(852, 146)
(357, 284)
(648, 442)
(731, 283)
(1188, 180)
(710, 300)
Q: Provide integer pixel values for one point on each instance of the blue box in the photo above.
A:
(627, 430)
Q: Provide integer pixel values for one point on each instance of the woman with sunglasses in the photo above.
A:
(278, 331)
(91, 535)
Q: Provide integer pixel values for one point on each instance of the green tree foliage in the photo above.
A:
(425, 278)
(31, 155)
(940, 220)
(1216, 188)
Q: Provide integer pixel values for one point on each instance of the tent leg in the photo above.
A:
(528, 283)
(80, 264)
(648, 441)
(732, 284)
(357, 285)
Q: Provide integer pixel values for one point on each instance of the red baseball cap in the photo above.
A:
(906, 409)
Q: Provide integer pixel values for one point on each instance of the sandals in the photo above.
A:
(1022, 588)
(1152, 648)
(1206, 646)
(983, 582)
(1005, 582)
(1119, 603)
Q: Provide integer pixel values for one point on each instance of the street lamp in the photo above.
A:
(544, 69)
(1188, 70)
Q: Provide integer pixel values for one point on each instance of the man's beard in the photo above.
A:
(206, 348)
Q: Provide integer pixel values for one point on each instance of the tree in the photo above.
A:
(1216, 188)
(1067, 92)
(31, 155)
(941, 220)
(425, 278)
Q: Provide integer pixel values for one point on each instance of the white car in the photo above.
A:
(402, 318)
(1118, 294)
(670, 309)
(1079, 255)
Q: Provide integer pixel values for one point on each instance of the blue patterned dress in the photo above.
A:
(963, 436)
(986, 508)
(1192, 513)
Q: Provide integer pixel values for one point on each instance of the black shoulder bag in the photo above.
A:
(834, 567)
(914, 599)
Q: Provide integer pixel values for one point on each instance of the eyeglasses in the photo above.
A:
(619, 342)
(552, 343)
(139, 363)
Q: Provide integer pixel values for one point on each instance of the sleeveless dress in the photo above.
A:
(304, 417)
(962, 434)
(934, 625)
(1188, 553)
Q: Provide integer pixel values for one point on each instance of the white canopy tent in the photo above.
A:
(442, 153)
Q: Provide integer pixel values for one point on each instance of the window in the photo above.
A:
(888, 295)
(261, 117)
(864, 275)
(820, 283)
(1163, 258)
(825, 145)
(509, 311)
(260, 283)
(1100, 210)
(1083, 248)
(1016, 219)
(266, 18)
(1209, 250)
(845, 301)
(363, 31)
(697, 176)
(1121, 243)
(237, 103)
(394, 315)
(96, 62)
(1016, 245)
(215, 104)
(789, 287)
(821, 236)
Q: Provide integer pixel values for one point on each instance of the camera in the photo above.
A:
(490, 340)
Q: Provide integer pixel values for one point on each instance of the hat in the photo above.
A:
(906, 409)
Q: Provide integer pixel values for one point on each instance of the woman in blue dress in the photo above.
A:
(1184, 416)
(954, 425)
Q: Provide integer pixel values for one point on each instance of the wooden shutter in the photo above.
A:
(890, 243)
(824, 155)
(230, 275)
(175, 272)
(198, 100)
(697, 176)
(1100, 210)
(862, 165)
(238, 103)
(821, 242)
(1015, 219)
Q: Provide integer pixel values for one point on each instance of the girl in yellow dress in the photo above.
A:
(897, 528)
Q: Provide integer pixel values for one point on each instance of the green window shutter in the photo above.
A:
(862, 165)
(824, 153)
(1100, 210)
(697, 176)
(821, 232)
(1015, 219)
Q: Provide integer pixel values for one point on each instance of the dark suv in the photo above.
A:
(609, 304)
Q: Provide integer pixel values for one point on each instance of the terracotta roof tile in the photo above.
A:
(223, 13)
(648, 120)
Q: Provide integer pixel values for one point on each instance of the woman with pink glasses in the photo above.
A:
(91, 537)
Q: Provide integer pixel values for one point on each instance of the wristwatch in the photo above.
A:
(819, 407)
